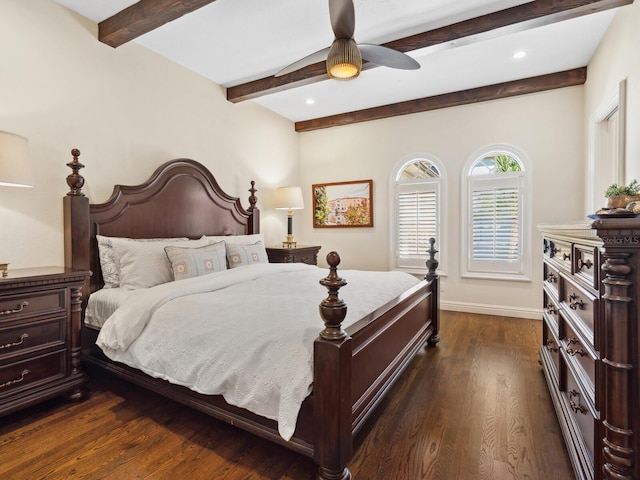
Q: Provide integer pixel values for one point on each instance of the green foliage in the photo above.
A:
(616, 190)
(505, 163)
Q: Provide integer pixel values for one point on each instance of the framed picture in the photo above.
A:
(343, 204)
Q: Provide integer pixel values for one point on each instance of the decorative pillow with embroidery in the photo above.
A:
(238, 255)
(193, 262)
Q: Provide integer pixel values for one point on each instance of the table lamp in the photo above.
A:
(290, 199)
(15, 168)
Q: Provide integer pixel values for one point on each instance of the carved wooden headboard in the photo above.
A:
(181, 199)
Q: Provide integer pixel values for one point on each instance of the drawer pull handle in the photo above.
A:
(551, 277)
(551, 309)
(551, 346)
(575, 302)
(582, 263)
(15, 310)
(15, 344)
(23, 374)
(555, 250)
(581, 351)
(576, 407)
(566, 256)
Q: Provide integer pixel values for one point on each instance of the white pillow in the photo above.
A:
(108, 263)
(193, 262)
(145, 264)
(238, 255)
(237, 239)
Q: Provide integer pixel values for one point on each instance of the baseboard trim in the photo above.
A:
(496, 310)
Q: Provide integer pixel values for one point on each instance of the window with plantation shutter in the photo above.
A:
(416, 212)
(495, 240)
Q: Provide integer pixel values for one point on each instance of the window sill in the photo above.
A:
(496, 276)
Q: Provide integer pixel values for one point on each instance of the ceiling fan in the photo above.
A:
(344, 57)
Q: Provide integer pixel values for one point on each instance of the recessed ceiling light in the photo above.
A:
(310, 101)
(520, 54)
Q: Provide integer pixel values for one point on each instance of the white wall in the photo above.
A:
(128, 110)
(546, 126)
(616, 59)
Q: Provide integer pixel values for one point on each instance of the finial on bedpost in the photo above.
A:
(333, 309)
(432, 262)
(252, 198)
(75, 180)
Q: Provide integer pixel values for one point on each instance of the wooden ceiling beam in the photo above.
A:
(519, 18)
(541, 83)
(143, 17)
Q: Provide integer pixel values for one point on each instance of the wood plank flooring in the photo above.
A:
(474, 407)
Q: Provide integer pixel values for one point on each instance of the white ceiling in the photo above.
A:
(235, 41)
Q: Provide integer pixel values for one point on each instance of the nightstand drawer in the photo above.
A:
(302, 254)
(32, 304)
(18, 337)
(31, 372)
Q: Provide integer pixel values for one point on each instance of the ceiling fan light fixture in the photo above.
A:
(344, 60)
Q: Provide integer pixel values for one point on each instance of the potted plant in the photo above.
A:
(619, 196)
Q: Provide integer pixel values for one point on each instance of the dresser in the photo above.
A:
(590, 338)
(40, 322)
(301, 254)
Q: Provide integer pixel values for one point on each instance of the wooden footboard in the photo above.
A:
(354, 368)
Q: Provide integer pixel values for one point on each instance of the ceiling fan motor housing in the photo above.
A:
(344, 60)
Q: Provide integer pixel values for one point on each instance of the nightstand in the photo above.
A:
(40, 336)
(300, 254)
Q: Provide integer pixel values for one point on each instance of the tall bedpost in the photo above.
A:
(332, 383)
(76, 220)
(254, 224)
(432, 276)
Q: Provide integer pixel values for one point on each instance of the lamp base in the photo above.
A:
(4, 268)
(289, 242)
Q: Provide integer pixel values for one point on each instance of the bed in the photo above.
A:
(353, 366)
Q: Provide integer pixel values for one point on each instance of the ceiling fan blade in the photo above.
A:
(343, 18)
(303, 62)
(387, 57)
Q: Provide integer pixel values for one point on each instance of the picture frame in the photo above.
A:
(343, 204)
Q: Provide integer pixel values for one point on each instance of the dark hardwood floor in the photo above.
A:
(473, 407)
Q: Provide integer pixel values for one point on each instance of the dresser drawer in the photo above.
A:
(32, 304)
(551, 278)
(32, 372)
(586, 265)
(581, 413)
(552, 345)
(17, 337)
(551, 312)
(561, 253)
(581, 306)
(581, 358)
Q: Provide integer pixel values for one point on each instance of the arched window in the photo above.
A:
(418, 185)
(496, 226)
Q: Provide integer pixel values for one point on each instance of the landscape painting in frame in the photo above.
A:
(343, 204)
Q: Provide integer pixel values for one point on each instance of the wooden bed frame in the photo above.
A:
(353, 368)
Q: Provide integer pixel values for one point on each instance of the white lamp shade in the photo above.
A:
(15, 167)
(289, 198)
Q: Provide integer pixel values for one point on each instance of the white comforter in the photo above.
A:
(246, 333)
